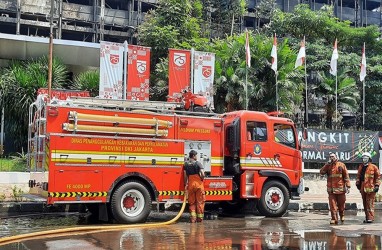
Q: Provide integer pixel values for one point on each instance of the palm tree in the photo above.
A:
(230, 67)
(20, 82)
(88, 80)
(347, 94)
(230, 76)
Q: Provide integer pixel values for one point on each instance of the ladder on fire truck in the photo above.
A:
(130, 105)
(36, 135)
(125, 104)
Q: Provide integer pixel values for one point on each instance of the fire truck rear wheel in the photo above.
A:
(274, 200)
(131, 203)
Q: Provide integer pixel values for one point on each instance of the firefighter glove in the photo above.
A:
(376, 189)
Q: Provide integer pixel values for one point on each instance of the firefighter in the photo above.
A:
(194, 176)
(338, 183)
(368, 181)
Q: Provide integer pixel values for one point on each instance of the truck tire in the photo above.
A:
(131, 203)
(274, 199)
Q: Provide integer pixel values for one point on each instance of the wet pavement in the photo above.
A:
(296, 230)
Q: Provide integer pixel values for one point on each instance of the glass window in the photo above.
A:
(256, 131)
(284, 134)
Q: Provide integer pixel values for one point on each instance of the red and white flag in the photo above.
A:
(179, 71)
(138, 73)
(333, 61)
(301, 55)
(274, 54)
(247, 50)
(362, 74)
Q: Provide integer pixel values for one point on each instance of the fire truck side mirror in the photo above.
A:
(305, 134)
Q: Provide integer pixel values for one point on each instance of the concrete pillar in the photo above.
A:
(18, 17)
(102, 20)
(59, 31)
(95, 21)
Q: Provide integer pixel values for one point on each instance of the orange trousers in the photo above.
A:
(196, 198)
(368, 203)
(337, 205)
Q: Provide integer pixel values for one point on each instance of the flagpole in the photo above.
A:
(277, 94)
(246, 88)
(362, 76)
(363, 104)
(306, 97)
(336, 103)
(192, 70)
(125, 55)
(247, 65)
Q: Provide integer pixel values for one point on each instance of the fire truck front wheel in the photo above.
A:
(131, 203)
(274, 200)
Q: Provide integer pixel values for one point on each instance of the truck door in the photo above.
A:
(257, 149)
(286, 146)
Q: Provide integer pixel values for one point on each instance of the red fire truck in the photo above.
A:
(119, 157)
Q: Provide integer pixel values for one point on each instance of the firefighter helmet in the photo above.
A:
(366, 154)
(366, 157)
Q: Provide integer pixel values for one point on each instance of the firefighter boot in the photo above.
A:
(334, 219)
(192, 217)
(333, 222)
(199, 217)
(342, 217)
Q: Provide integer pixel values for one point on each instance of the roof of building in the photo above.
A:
(70, 52)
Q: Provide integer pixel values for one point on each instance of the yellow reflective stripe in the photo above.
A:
(219, 192)
(171, 192)
(335, 175)
(76, 194)
(210, 193)
(110, 153)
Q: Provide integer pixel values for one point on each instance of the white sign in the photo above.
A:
(111, 70)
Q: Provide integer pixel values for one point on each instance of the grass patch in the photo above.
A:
(12, 165)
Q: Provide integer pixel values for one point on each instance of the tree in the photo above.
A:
(321, 28)
(226, 17)
(347, 98)
(88, 80)
(19, 85)
(172, 23)
(230, 78)
(264, 12)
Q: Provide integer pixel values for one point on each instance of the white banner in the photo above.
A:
(111, 70)
(204, 68)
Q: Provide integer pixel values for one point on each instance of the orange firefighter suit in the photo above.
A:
(338, 182)
(368, 182)
(196, 194)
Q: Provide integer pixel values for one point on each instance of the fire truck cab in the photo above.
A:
(118, 157)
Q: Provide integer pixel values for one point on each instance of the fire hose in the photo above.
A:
(86, 229)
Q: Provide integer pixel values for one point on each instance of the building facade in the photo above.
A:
(117, 20)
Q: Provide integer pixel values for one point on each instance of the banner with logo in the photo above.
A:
(204, 68)
(179, 71)
(348, 145)
(111, 70)
(138, 77)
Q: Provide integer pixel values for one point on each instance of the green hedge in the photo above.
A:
(12, 165)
